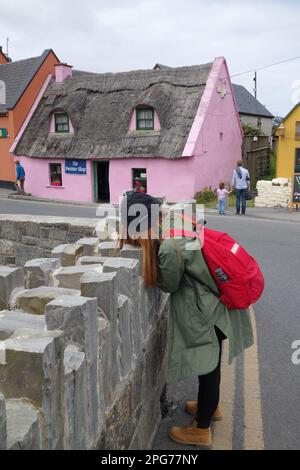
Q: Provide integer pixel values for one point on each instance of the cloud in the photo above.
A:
(115, 35)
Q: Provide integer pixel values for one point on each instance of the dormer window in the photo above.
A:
(145, 119)
(61, 121)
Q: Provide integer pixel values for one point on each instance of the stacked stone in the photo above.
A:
(273, 193)
(23, 238)
(82, 350)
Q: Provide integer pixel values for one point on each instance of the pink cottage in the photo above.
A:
(171, 131)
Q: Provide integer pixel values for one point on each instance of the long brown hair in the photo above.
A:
(149, 246)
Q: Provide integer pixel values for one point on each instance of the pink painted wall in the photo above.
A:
(62, 71)
(132, 125)
(173, 179)
(74, 188)
(218, 145)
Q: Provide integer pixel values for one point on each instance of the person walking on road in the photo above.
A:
(198, 321)
(20, 178)
(241, 182)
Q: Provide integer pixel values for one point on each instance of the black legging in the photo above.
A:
(209, 390)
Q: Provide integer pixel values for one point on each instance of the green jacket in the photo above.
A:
(195, 310)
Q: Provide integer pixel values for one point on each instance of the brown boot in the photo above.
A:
(191, 407)
(191, 435)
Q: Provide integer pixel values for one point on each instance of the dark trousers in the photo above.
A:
(209, 390)
(241, 193)
(21, 187)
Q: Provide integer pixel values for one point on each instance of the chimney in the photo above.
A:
(62, 71)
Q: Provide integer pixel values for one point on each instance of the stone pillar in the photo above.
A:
(89, 245)
(10, 280)
(124, 335)
(102, 286)
(34, 369)
(3, 434)
(37, 271)
(75, 403)
(108, 248)
(67, 253)
(127, 283)
(23, 425)
(77, 318)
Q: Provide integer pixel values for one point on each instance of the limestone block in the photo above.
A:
(89, 245)
(37, 271)
(59, 234)
(129, 251)
(101, 229)
(101, 286)
(84, 260)
(35, 300)
(75, 403)
(10, 230)
(67, 253)
(11, 320)
(77, 318)
(127, 283)
(34, 369)
(104, 370)
(70, 276)
(113, 225)
(23, 426)
(124, 335)
(31, 228)
(10, 280)
(3, 432)
(24, 253)
(108, 248)
(7, 248)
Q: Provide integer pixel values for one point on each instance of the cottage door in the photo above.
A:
(103, 181)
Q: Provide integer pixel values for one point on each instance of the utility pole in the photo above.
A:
(255, 84)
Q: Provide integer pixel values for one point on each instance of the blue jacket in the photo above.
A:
(20, 172)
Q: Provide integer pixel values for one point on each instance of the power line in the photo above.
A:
(266, 66)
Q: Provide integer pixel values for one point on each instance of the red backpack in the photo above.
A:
(236, 273)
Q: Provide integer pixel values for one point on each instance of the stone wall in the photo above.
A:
(83, 347)
(273, 193)
(24, 237)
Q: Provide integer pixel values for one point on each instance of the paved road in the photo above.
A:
(272, 402)
(261, 392)
(11, 206)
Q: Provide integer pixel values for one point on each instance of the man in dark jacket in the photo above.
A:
(20, 178)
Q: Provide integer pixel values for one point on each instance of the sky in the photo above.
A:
(120, 35)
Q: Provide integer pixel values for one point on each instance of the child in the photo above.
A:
(222, 194)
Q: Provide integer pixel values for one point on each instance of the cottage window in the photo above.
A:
(139, 180)
(145, 119)
(297, 136)
(297, 161)
(61, 123)
(55, 174)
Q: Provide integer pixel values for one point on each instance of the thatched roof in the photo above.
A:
(100, 108)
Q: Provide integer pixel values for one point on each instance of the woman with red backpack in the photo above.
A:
(198, 322)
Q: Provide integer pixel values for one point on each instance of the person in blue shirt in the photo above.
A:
(20, 177)
(241, 182)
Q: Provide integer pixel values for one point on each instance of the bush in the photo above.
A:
(251, 130)
(205, 195)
